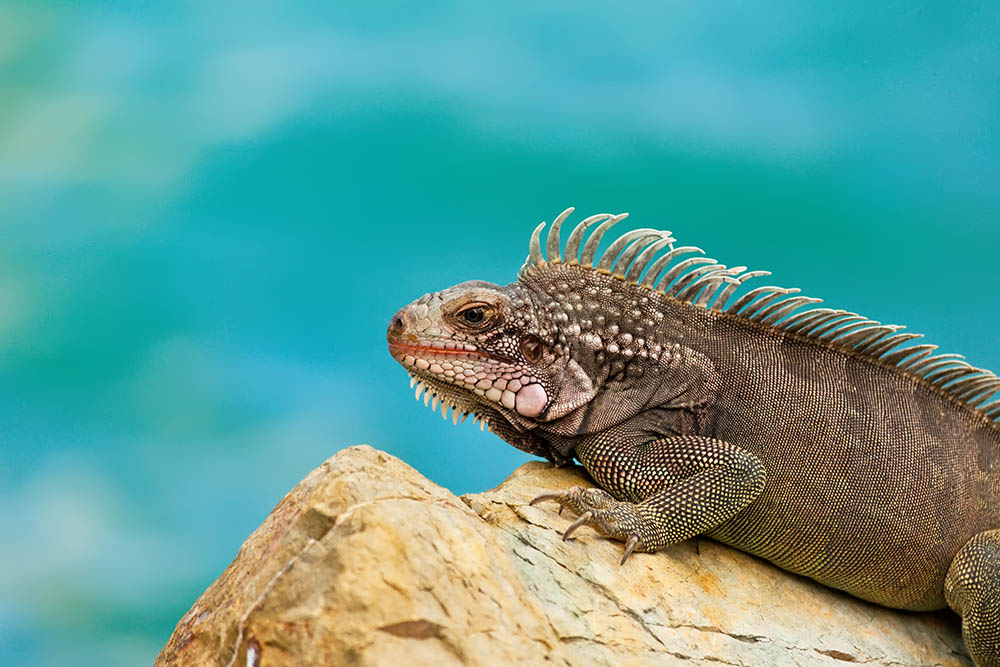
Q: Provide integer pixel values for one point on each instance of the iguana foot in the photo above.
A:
(597, 509)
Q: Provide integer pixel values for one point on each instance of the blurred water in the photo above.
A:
(208, 211)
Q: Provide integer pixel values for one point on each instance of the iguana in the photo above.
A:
(815, 438)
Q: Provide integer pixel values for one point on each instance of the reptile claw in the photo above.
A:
(633, 541)
(558, 497)
(582, 519)
(544, 496)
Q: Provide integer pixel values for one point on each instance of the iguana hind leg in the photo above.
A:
(662, 491)
(972, 589)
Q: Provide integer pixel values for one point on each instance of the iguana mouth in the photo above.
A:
(417, 351)
(464, 349)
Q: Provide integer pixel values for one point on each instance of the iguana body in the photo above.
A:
(813, 438)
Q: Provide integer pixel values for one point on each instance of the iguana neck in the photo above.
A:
(638, 348)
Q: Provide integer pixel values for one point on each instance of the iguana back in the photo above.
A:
(875, 476)
(817, 439)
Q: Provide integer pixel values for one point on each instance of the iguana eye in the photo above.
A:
(531, 348)
(472, 315)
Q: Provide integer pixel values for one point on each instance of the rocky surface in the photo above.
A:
(367, 562)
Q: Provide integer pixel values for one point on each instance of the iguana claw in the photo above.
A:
(582, 519)
(558, 497)
(633, 541)
(548, 496)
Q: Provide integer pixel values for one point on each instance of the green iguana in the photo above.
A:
(814, 438)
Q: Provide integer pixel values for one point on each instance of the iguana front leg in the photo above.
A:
(660, 491)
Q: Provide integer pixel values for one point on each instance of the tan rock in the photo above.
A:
(367, 562)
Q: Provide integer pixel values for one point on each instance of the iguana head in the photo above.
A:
(488, 350)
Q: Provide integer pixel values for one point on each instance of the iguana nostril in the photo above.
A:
(397, 325)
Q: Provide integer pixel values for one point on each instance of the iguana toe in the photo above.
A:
(578, 499)
(597, 509)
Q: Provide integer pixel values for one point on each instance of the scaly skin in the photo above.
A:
(811, 439)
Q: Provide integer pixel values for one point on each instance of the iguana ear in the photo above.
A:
(575, 389)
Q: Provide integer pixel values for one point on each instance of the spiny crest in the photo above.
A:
(637, 258)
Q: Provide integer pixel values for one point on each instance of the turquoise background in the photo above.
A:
(209, 211)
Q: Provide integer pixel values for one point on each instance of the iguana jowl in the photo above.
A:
(812, 437)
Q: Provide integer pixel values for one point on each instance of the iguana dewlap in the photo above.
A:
(812, 437)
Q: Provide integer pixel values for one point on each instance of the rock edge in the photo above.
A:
(368, 562)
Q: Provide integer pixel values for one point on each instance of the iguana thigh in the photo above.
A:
(972, 589)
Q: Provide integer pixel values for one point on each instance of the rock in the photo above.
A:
(367, 562)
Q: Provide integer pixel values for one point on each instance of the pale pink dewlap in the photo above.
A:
(530, 400)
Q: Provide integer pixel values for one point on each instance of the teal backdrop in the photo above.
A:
(209, 211)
